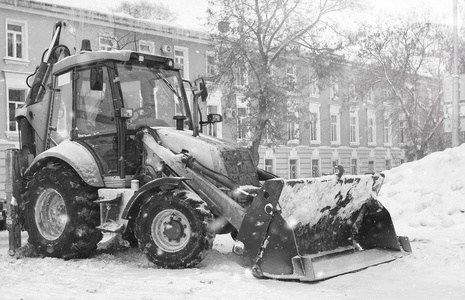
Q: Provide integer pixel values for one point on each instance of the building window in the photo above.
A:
(387, 132)
(293, 131)
(369, 96)
(16, 39)
(269, 165)
(211, 70)
(293, 168)
(335, 125)
(402, 126)
(388, 164)
(107, 43)
(352, 91)
(387, 93)
(333, 89)
(240, 77)
(242, 128)
(353, 132)
(16, 98)
(371, 166)
(334, 164)
(212, 128)
(291, 77)
(315, 167)
(315, 123)
(181, 57)
(334, 135)
(314, 90)
(354, 166)
(354, 128)
(371, 130)
(146, 46)
(313, 127)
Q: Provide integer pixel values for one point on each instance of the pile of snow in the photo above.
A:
(429, 192)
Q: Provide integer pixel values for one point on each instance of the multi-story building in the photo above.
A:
(360, 135)
(27, 28)
(360, 138)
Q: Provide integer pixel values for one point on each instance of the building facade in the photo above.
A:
(362, 138)
(27, 27)
(360, 133)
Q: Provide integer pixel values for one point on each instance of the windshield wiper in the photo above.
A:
(166, 81)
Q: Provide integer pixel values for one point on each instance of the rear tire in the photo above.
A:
(172, 229)
(61, 217)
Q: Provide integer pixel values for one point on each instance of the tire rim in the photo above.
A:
(51, 214)
(170, 230)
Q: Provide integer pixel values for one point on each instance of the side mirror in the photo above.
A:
(201, 89)
(214, 118)
(96, 79)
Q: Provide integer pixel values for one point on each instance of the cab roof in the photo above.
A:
(92, 57)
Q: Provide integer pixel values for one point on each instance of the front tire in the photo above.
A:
(61, 217)
(172, 229)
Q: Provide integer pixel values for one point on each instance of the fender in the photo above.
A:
(166, 183)
(74, 154)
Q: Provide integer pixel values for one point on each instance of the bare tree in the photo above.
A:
(406, 62)
(255, 41)
(144, 9)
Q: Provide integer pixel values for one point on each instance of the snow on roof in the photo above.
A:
(107, 6)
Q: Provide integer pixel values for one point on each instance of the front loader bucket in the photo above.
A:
(317, 228)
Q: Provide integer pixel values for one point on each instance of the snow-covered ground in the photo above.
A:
(425, 198)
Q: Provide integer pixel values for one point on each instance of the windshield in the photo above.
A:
(153, 94)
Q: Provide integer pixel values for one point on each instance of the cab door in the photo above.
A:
(95, 122)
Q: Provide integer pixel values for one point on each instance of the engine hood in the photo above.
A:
(216, 154)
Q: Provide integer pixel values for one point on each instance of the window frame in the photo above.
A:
(333, 89)
(315, 127)
(387, 131)
(210, 65)
(354, 170)
(371, 128)
(213, 129)
(107, 47)
(402, 131)
(24, 42)
(291, 77)
(241, 135)
(314, 90)
(354, 128)
(335, 128)
(16, 105)
(316, 166)
(185, 63)
(266, 166)
(296, 165)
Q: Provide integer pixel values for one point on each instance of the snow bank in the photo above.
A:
(429, 192)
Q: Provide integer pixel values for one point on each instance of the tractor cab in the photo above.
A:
(102, 102)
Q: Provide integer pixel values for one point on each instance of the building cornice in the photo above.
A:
(62, 12)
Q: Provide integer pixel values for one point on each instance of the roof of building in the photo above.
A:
(108, 18)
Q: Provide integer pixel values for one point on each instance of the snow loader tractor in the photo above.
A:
(111, 141)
